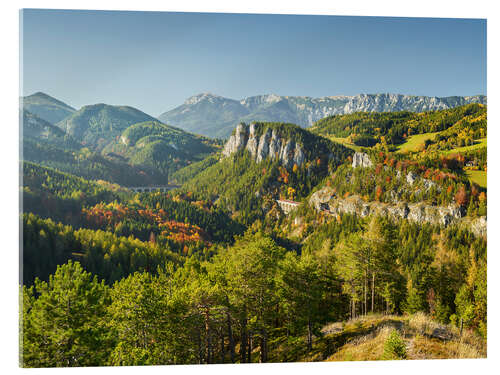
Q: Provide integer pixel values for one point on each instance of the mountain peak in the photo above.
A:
(203, 96)
(46, 107)
(44, 98)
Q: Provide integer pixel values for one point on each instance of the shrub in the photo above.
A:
(394, 347)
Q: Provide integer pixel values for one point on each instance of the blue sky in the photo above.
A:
(154, 60)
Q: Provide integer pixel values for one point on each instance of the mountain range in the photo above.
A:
(216, 116)
(100, 139)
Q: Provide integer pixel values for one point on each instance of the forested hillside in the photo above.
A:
(159, 147)
(368, 129)
(101, 142)
(257, 179)
(90, 165)
(97, 125)
(283, 245)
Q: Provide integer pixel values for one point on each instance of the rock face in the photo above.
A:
(263, 149)
(237, 141)
(268, 145)
(325, 200)
(360, 159)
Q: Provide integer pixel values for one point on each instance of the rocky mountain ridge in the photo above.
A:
(210, 114)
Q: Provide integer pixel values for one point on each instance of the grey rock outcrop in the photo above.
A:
(321, 197)
(411, 177)
(252, 142)
(263, 148)
(479, 226)
(275, 145)
(428, 184)
(286, 153)
(360, 159)
(237, 141)
(326, 200)
(268, 145)
(298, 156)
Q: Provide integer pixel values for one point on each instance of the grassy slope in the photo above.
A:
(480, 143)
(424, 339)
(415, 141)
(343, 141)
(479, 177)
(363, 339)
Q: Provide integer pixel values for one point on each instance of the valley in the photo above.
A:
(339, 228)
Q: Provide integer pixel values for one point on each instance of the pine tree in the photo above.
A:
(65, 325)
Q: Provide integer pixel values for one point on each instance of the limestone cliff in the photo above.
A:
(268, 144)
(360, 159)
(326, 200)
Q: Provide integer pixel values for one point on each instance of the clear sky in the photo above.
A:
(155, 60)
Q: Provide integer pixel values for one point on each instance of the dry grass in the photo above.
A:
(422, 324)
(424, 338)
(429, 348)
(365, 348)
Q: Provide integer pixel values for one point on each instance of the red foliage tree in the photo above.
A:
(461, 197)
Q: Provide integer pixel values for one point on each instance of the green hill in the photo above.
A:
(46, 107)
(156, 145)
(39, 130)
(88, 164)
(185, 174)
(145, 154)
(99, 124)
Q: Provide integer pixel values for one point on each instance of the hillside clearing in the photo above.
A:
(415, 141)
(343, 141)
(479, 143)
(478, 177)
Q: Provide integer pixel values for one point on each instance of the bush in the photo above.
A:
(394, 347)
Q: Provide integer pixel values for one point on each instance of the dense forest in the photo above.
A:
(219, 271)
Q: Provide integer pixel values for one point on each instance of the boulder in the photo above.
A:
(411, 178)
